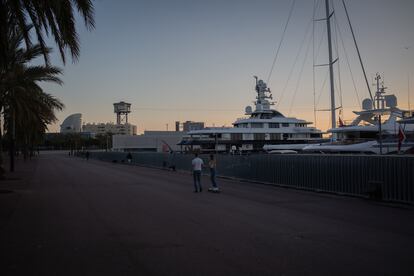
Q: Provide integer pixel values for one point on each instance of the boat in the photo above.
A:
(375, 129)
(263, 126)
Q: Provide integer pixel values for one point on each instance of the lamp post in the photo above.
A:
(215, 142)
(107, 141)
(380, 132)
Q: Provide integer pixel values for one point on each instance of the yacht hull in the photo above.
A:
(372, 147)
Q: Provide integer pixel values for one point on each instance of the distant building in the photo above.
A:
(103, 128)
(190, 125)
(72, 124)
(154, 141)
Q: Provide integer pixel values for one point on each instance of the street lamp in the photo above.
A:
(380, 132)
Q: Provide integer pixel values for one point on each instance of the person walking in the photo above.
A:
(212, 164)
(197, 164)
(129, 157)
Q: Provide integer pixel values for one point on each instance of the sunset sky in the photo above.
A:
(195, 60)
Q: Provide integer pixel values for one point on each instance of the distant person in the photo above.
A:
(212, 164)
(87, 155)
(172, 161)
(197, 164)
(129, 157)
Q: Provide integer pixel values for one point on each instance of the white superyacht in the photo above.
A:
(263, 126)
(375, 130)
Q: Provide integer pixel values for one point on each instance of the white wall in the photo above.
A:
(149, 140)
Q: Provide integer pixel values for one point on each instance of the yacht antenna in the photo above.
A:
(359, 54)
(379, 98)
(331, 73)
(408, 93)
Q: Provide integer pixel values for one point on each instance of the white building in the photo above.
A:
(72, 124)
(156, 141)
(103, 128)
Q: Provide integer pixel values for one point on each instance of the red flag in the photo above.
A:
(401, 137)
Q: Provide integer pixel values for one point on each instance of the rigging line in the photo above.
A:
(348, 63)
(323, 87)
(293, 66)
(339, 83)
(281, 40)
(300, 77)
(408, 92)
(315, 2)
(320, 43)
(359, 54)
(323, 34)
(184, 109)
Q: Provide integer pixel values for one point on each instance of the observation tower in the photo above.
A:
(122, 109)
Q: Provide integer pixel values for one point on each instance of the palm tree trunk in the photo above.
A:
(12, 139)
(1, 147)
(1, 141)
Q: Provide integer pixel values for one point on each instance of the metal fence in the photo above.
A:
(389, 178)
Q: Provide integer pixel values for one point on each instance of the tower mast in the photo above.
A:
(331, 73)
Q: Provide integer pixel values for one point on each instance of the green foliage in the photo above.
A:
(26, 107)
(48, 17)
(75, 141)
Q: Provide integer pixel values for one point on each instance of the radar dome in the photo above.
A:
(367, 104)
(391, 101)
(248, 110)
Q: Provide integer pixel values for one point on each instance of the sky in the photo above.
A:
(195, 59)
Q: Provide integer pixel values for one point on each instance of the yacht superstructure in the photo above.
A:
(262, 126)
(374, 130)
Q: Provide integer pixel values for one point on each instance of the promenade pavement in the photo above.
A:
(62, 215)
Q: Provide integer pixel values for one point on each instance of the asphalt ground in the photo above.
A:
(62, 215)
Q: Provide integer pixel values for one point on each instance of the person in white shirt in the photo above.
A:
(197, 164)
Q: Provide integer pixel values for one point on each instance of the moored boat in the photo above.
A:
(263, 126)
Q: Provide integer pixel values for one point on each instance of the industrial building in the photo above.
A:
(73, 123)
(104, 128)
(188, 126)
(154, 141)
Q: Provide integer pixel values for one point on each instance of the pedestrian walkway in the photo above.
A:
(69, 216)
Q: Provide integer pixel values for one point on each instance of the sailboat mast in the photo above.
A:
(331, 73)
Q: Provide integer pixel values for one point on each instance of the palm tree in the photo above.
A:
(55, 17)
(33, 110)
(26, 107)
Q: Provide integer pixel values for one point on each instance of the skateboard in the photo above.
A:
(214, 190)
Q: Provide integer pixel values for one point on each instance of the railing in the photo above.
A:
(390, 178)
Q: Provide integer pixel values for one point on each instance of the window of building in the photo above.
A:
(285, 124)
(257, 125)
(236, 136)
(274, 125)
(259, 136)
(242, 125)
(275, 136)
(267, 116)
(214, 135)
